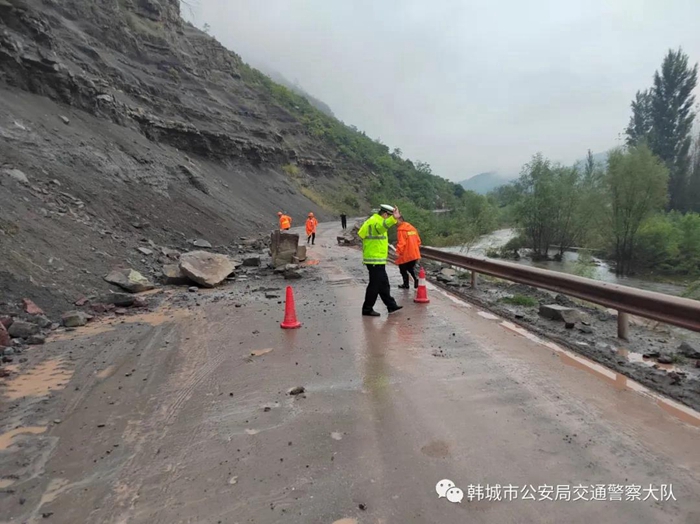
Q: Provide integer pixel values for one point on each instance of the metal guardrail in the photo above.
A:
(677, 311)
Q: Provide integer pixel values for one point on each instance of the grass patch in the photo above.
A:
(317, 198)
(521, 300)
(291, 170)
(677, 358)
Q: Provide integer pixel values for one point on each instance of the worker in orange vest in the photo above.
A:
(285, 221)
(407, 251)
(311, 224)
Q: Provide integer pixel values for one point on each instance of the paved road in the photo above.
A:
(172, 420)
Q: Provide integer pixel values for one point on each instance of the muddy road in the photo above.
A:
(184, 415)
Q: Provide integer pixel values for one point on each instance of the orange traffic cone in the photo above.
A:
(290, 313)
(422, 291)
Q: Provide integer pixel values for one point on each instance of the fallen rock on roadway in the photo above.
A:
(556, 312)
(206, 269)
(22, 329)
(75, 319)
(129, 279)
(174, 276)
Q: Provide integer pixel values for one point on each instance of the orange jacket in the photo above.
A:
(285, 222)
(408, 243)
(311, 224)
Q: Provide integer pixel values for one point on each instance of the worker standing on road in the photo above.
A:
(311, 224)
(344, 220)
(285, 221)
(407, 252)
(375, 249)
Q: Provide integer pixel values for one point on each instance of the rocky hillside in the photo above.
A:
(121, 125)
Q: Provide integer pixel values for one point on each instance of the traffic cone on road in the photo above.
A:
(422, 291)
(290, 313)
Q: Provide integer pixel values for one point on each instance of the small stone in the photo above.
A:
(690, 349)
(57, 421)
(298, 390)
(201, 243)
(64, 119)
(585, 329)
(362, 507)
(30, 307)
(292, 275)
(36, 340)
(120, 311)
(74, 319)
(193, 289)
(8, 351)
(251, 261)
(42, 321)
(145, 251)
(267, 408)
(81, 301)
(17, 175)
(665, 358)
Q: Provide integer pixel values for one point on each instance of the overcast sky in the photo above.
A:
(467, 86)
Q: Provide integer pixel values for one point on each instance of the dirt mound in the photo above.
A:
(122, 127)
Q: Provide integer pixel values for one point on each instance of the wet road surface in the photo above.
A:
(184, 416)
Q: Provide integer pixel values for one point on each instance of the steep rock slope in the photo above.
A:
(121, 124)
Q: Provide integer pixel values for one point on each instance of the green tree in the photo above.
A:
(663, 117)
(536, 208)
(694, 182)
(641, 120)
(636, 186)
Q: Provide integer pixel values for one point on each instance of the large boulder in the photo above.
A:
(129, 279)
(206, 269)
(690, 349)
(174, 276)
(22, 329)
(556, 312)
(283, 247)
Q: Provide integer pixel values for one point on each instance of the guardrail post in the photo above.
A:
(475, 278)
(623, 324)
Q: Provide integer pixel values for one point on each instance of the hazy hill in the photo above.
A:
(483, 183)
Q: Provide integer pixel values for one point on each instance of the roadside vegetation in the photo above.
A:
(640, 209)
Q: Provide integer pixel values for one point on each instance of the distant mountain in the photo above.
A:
(276, 76)
(485, 182)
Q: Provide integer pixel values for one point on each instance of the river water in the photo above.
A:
(601, 271)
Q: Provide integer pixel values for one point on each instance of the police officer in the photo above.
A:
(375, 249)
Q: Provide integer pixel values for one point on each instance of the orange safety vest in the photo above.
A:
(311, 224)
(285, 222)
(408, 243)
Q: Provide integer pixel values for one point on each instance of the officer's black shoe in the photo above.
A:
(395, 309)
(372, 313)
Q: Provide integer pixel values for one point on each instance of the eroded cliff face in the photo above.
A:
(139, 118)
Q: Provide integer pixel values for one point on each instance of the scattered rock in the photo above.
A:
(42, 321)
(17, 175)
(251, 261)
(448, 273)
(30, 307)
(8, 351)
(140, 225)
(585, 329)
(292, 275)
(652, 353)
(4, 337)
(676, 378)
(117, 299)
(75, 319)
(201, 243)
(35, 340)
(129, 279)
(81, 301)
(298, 390)
(145, 251)
(193, 289)
(120, 311)
(206, 269)
(6, 320)
(665, 358)
(271, 295)
(65, 119)
(690, 349)
(174, 276)
(170, 253)
(22, 329)
(557, 312)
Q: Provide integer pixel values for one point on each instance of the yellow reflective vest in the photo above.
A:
(375, 242)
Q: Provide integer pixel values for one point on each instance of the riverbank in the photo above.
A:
(660, 357)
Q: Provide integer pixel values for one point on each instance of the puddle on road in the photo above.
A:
(436, 449)
(6, 438)
(105, 325)
(617, 380)
(40, 380)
